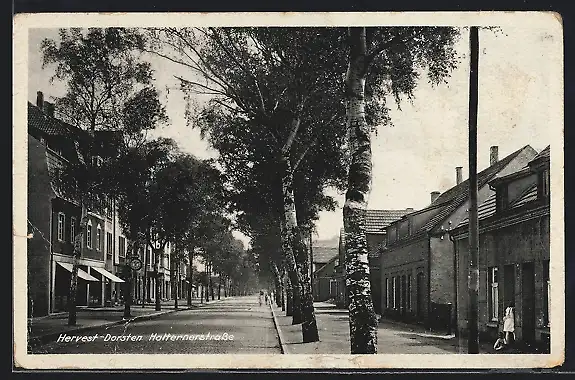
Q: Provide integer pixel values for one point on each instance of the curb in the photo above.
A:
(43, 339)
(283, 346)
(47, 338)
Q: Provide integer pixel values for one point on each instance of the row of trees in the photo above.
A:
(291, 111)
(162, 195)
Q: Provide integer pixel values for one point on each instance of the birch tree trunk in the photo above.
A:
(277, 283)
(77, 253)
(289, 296)
(295, 248)
(362, 318)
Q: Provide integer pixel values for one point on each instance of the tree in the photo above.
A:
(102, 69)
(379, 56)
(104, 80)
(280, 103)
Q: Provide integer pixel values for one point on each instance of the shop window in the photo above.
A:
(89, 235)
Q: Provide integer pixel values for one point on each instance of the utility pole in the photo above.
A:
(473, 276)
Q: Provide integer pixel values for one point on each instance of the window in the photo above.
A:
(408, 295)
(543, 188)
(89, 234)
(387, 293)
(546, 293)
(122, 246)
(109, 244)
(493, 294)
(501, 198)
(109, 208)
(332, 288)
(98, 238)
(61, 224)
(72, 229)
(395, 291)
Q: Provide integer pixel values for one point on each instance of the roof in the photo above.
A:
(50, 125)
(545, 153)
(322, 255)
(326, 264)
(377, 220)
(453, 198)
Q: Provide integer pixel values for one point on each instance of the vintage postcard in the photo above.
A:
(294, 190)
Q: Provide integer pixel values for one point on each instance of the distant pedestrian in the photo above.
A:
(261, 296)
(509, 324)
(266, 298)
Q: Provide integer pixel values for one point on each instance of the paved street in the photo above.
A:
(234, 325)
(393, 337)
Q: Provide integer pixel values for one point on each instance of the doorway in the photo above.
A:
(508, 286)
(419, 295)
(528, 302)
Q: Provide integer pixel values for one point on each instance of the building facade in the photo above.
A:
(54, 220)
(417, 263)
(376, 222)
(514, 256)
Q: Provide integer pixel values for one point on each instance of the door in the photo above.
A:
(528, 303)
(419, 295)
(508, 287)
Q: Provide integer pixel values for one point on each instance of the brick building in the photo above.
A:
(375, 224)
(417, 264)
(514, 233)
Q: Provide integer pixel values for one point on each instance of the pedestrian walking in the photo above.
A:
(266, 298)
(509, 324)
(261, 296)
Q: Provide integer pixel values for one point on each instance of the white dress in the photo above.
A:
(509, 320)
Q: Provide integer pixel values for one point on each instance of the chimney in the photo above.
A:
(49, 108)
(458, 175)
(40, 100)
(493, 155)
(434, 195)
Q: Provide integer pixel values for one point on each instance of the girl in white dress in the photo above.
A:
(509, 324)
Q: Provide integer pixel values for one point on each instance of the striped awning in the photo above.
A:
(82, 274)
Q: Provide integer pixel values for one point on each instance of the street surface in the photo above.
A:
(235, 325)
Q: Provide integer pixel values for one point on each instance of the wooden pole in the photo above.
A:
(473, 276)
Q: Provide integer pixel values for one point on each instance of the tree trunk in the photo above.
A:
(297, 257)
(362, 318)
(206, 289)
(133, 247)
(157, 255)
(289, 296)
(177, 280)
(145, 284)
(277, 283)
(191, 270)
(219, 285)
(211, 282)
(77, 253)
(294, 309)
(225, 287)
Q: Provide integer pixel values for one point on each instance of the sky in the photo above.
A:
(429, 138)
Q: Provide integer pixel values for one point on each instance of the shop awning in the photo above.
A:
(82, 274)
(107, 274)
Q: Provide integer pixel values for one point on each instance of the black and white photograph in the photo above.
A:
(364, 190)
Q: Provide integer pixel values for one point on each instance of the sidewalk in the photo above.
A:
(393, 337)
(45, 329)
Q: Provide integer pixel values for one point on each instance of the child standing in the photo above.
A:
(509, 324)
